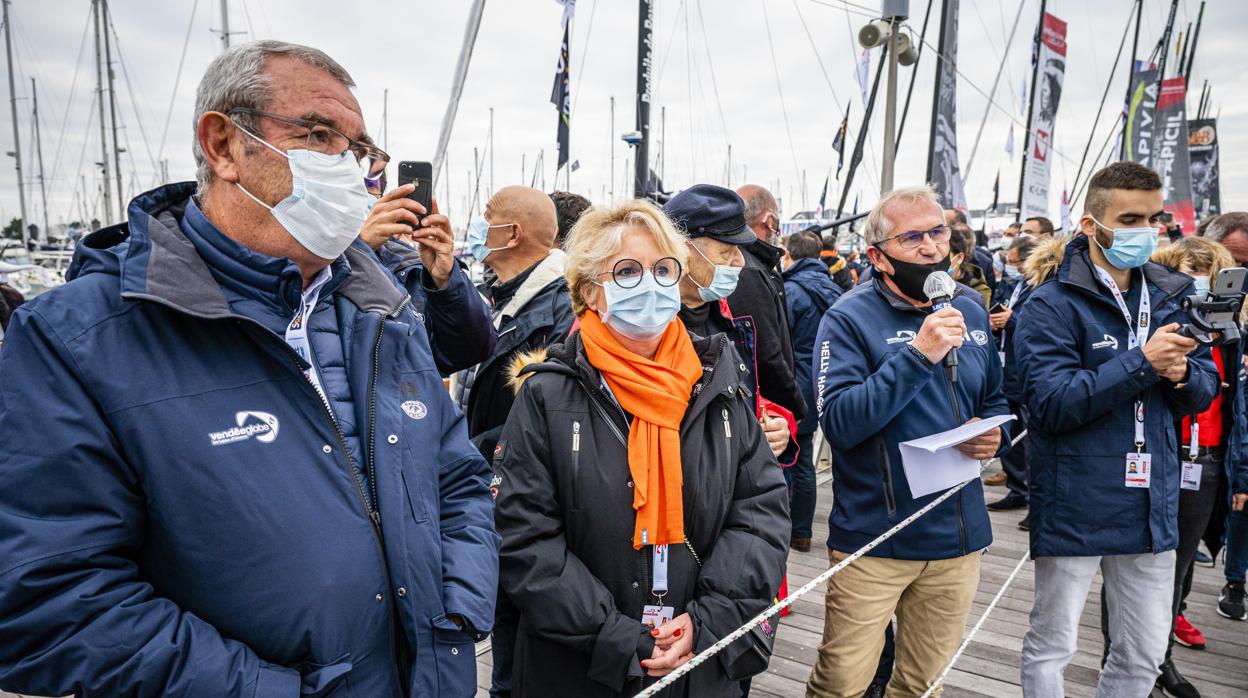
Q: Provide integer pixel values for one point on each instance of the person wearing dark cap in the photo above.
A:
(714, 220)
(760, 295)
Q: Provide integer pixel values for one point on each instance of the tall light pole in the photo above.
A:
(886, 31)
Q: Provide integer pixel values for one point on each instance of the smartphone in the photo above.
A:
(1229, 282)
(996, 308)
(421, 174)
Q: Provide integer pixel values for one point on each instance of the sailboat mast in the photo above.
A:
(225, 25)
(645, 43)
(112, 108)
(43, 190)
(17, 143)
(105, 209)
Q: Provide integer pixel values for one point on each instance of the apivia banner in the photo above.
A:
(1047, 94)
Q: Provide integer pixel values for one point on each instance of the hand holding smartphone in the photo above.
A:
(420, 174)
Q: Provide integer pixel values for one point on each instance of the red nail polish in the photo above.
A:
(654, 633)
(676, 633)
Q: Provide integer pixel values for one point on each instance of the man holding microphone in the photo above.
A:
(881, 378)
(1103, 389)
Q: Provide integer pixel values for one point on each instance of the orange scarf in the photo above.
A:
(656, 393)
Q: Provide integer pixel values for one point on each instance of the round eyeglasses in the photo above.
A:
(627, 273)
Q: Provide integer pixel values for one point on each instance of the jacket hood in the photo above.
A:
(809, 265)
(516, 374)
(158, 263)
(1044, 261)
(549, 269)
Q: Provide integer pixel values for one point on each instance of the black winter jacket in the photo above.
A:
(538, 315)
(564, 509)
(760, 296)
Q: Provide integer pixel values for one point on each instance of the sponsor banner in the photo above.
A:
(1141, 117)
(1047, 94)
(942, 161)
(1202, 148)
(1170, 153)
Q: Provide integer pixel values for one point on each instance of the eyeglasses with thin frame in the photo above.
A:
(627, 273)
(325, 139)
(913, 239)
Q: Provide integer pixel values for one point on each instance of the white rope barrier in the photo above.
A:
(735, 635)
(978, 624)
(740, 632)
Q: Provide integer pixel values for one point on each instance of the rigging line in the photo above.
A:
(82, 154)
(73, 84)
(689, 68)
(818, 59)
(1112, 134)
(177, 80)
(134, 98)
(870, 171)
(993, 102)
(1004, 54)
(667, 50)
(914, 73)
(723, 123)
(251, 31)
(1117, 57)
(860, 10)
(784, 110)
(589, 31)
(966, 171)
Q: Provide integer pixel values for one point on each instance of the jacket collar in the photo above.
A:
(765, 252)
(1076, 271)
(161, 264)
(806, 265)
(547, 271)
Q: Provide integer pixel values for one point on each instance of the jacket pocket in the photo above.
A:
(886, 472)
(456, 661)
(415, 502)
(576, 464)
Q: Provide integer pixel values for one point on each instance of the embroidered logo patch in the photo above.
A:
(415, 409)
(260, 426)
(980, 337)
(903, 336)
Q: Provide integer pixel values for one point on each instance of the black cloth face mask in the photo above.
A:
(909, 276)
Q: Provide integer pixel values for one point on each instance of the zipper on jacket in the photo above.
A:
(886, 471)
(576, 460)
(727, 426)
(957, 414)
(373, 517)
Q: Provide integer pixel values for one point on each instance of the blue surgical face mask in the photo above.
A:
(1202, 285)
(642, 312)
(1011, 271)
(478, 232)
(723, 281)
(1132, 246)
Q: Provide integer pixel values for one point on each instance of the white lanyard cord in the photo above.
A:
(1137, 335)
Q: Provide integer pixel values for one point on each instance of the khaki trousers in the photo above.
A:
(931, 601)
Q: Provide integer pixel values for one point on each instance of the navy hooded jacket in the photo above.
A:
(809, 291)
(1080, 383)
(872, 393)
(179, 515)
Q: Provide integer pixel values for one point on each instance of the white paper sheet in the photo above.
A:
(932, 464)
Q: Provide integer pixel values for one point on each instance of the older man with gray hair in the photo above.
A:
(1230, 229)
(879, 381)
(229, 465)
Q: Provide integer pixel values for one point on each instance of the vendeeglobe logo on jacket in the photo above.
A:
(264, 430)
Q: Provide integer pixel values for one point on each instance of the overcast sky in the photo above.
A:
(713, 71)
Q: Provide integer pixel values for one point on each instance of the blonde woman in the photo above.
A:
(642, 514)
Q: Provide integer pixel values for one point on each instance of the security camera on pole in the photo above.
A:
(900, 50)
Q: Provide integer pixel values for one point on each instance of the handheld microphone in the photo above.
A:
(939, 288)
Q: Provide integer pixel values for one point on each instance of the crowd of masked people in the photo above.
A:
(271, 439)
